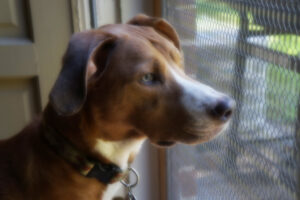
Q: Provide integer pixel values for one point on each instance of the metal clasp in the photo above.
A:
(129, 186)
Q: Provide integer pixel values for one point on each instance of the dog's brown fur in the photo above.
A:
(103, 99)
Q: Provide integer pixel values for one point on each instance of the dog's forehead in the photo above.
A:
(138, 38)
(122, 30)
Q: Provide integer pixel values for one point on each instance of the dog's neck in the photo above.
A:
(119, 152)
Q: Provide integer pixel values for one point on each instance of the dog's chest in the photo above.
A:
(113, 190)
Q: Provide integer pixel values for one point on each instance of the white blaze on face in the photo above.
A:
(196, 96)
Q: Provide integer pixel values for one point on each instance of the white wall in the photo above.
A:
(146, 164)
(130, 8)
(107, 12)
(116, 11)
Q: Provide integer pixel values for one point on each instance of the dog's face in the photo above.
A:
(136, 86)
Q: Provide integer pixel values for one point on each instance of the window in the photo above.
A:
(251, 50)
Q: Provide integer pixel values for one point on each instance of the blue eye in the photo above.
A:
(149, 79)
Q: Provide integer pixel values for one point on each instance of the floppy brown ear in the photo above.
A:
(70, 89)
(160, 25)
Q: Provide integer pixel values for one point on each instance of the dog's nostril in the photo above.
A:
(228, 113)
(223, 109)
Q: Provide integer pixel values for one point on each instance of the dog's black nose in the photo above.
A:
(222, 109)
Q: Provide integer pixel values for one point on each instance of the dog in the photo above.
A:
(119, 85)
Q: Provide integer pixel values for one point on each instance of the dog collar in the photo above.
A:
(105, 173)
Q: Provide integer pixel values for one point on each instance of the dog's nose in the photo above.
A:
(222, 109)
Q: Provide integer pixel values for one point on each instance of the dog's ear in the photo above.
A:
(160, 25)
(70, 89)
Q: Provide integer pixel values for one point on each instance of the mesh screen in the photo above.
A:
(249, 49)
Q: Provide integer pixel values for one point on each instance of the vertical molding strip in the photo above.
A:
(93, 13)
(157, 8)
(81, 15)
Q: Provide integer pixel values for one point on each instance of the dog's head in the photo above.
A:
(130, 79)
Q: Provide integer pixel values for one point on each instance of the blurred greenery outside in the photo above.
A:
(283, 85)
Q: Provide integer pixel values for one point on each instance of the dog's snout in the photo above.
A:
(222, 109)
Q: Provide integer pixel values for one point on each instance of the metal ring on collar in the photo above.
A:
(135, 173)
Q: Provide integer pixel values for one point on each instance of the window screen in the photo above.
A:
(249, 49)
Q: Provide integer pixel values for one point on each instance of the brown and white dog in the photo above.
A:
(119, 85)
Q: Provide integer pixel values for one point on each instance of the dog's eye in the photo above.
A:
(149, 79)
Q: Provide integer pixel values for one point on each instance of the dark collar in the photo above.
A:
(105, 173)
